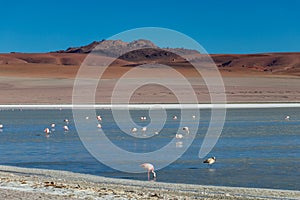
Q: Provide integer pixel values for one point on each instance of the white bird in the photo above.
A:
(156, 132)
(66, 121)
(179, 136)
(150, 168)
(66, 128)
(52, 125)
(194, 117)
(287, 117)
(1, 126)
(134, 130)
(87, 117)
(210, 161)
(143, 118)
(186, 129)
(99, 126)
(144, 129)
(174, 117)
(47, 131)
(99, 118)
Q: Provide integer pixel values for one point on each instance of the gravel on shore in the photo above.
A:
(25, 183)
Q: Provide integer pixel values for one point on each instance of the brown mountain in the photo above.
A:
(263, 63)
(114, 48)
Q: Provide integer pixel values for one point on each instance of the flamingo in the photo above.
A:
(210, 161)
(134, 130)
(174, 117)
(143, 118)
(52, 127)
(47, 131)
(186, 129)
(99, 118)
(150, 168)
(144, 129)
(287, 118)
(66, 128)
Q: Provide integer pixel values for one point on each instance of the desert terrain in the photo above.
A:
(48, 78)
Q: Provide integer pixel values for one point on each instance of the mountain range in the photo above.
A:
(269, 63)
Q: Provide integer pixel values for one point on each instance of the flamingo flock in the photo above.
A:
(65, 127)
(147, 166)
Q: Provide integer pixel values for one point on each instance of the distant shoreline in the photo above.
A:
(152, 106)
(30, 183)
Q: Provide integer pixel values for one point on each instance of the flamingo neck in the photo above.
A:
(154, 174)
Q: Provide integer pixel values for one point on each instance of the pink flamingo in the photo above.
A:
(150, 168)
(99, 118)
(47, 131)
(66, 128)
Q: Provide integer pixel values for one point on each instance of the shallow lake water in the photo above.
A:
(257, 147)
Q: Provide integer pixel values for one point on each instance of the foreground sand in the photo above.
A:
(23, 183)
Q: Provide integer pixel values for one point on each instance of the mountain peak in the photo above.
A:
(115, 48)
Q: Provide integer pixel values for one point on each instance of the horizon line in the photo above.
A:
(233, 53)
(154, 106)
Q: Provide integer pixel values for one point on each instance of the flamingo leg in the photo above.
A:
(148, 175)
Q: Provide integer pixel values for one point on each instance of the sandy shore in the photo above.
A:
(23, 183)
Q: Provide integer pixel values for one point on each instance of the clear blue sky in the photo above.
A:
(224, 26)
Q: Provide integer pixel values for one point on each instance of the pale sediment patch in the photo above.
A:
(24, 183)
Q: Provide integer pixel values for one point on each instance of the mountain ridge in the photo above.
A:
(284, 63)
(116, 48)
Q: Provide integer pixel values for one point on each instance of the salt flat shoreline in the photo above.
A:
(29, 183)
(153, 106)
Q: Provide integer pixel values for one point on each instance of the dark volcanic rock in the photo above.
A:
(136, 50)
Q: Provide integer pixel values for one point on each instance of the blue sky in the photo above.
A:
(224, 26)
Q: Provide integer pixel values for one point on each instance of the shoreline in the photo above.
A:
(33, 183)
(153, 106)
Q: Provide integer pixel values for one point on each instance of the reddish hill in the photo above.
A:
(274, 63)
(264, 63)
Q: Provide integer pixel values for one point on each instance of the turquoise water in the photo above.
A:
(257, 148)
